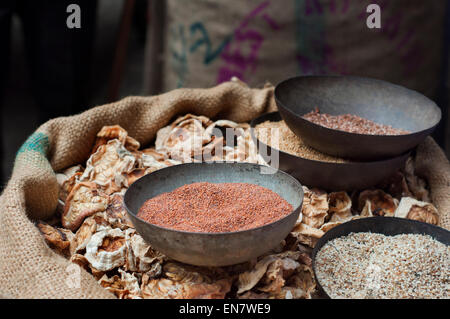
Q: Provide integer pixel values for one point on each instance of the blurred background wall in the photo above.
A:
(144, 47)
(20, 112)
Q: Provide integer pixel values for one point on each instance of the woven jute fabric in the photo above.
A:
(432, 165)
(30, 269)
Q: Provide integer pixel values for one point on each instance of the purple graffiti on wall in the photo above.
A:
(245, 39)
(315, 56)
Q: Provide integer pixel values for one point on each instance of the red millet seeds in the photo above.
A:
(215, 208)
(351, 123)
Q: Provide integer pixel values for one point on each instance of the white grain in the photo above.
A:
(369, 265)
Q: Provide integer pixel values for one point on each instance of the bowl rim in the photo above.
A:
(293, 212)
(350, 163)
(345, 133)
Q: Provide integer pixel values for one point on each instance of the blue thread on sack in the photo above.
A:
(36, 142)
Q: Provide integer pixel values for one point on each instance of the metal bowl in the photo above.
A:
(213, 249)
(376, 100)
(389, 226)
(326, 175)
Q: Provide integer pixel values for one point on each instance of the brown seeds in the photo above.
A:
(288, 142)
(222, 207)
(351, 123)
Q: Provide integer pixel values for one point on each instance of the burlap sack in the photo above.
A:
(208, 41)
(29, 268)
(432, 165)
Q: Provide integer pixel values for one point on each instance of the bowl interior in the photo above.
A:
(376, 100)
(389, 226)
(168, 179)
